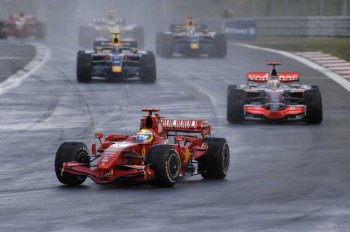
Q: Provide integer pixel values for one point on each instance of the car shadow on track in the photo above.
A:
(183, 183)
(116, 82)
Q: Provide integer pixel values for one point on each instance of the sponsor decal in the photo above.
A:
(194, 46)
(160, 128)
(240, 29)
(180, 124)
(258, 76)
(288, 76)
(117, 69)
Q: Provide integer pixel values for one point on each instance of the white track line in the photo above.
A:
(309, 53)
(339, 68)
(15, 58)
(332, 75)
(337, 65)
(41, 57)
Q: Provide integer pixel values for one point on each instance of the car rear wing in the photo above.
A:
(287, 77)
(108, 45)
(102, 44)
(260, 77)
(187, 126)
(182, 27)
(263, 77)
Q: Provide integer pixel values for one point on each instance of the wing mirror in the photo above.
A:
(179, 138)
(98, 136)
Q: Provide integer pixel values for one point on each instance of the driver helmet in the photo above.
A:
(145, 136)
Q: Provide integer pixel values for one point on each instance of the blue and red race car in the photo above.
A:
(116, 59)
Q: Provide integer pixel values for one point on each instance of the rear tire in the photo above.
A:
(166, 163)
(215, 163)
(158, 44)
(139, 35)
(84, 66)
(2, 34)
(236, 99)
(67, 152)
(313, 103)
(220, 46)
(166, 45)
(148, 68)
(41, 32)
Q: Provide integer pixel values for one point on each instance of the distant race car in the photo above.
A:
(274, 96)
(103, 27)
(190, 40)
(147, 156)
(21, 26)
(116, 59)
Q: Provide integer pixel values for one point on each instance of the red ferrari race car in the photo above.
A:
(21, 26)
(147, 156)
(274, 96)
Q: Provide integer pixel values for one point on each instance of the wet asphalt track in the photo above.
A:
(289, 177)
(13, 56)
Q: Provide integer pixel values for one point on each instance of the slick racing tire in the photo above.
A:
(166, 164)
(148, 68)
(313, 103)
(158, 44)
(220, 46)
(236, 99)
(71, 151)
(2, 34)
(139, 35)
(166, 45)
(84, 66)
(40, 31)
(215, 163)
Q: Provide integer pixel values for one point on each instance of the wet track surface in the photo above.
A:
(13, 56)
(290, 176)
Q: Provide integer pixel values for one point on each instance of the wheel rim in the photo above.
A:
(173, 166)
(226, 158)
(83, 157)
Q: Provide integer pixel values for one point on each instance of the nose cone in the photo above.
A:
(275, 114)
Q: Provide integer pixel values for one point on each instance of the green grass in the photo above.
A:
(339, 47)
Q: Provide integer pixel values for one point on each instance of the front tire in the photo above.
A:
(139, 35)
(236, 99)
(166, 45)
(220, 46)
(41, 32)
(148, 68)
(67, 152)
(84, 66)
(313, 103)
(166, 164)
(215, 163)
(2, 34)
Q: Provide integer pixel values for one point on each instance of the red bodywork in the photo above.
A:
(20, 26)
(121, 157)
